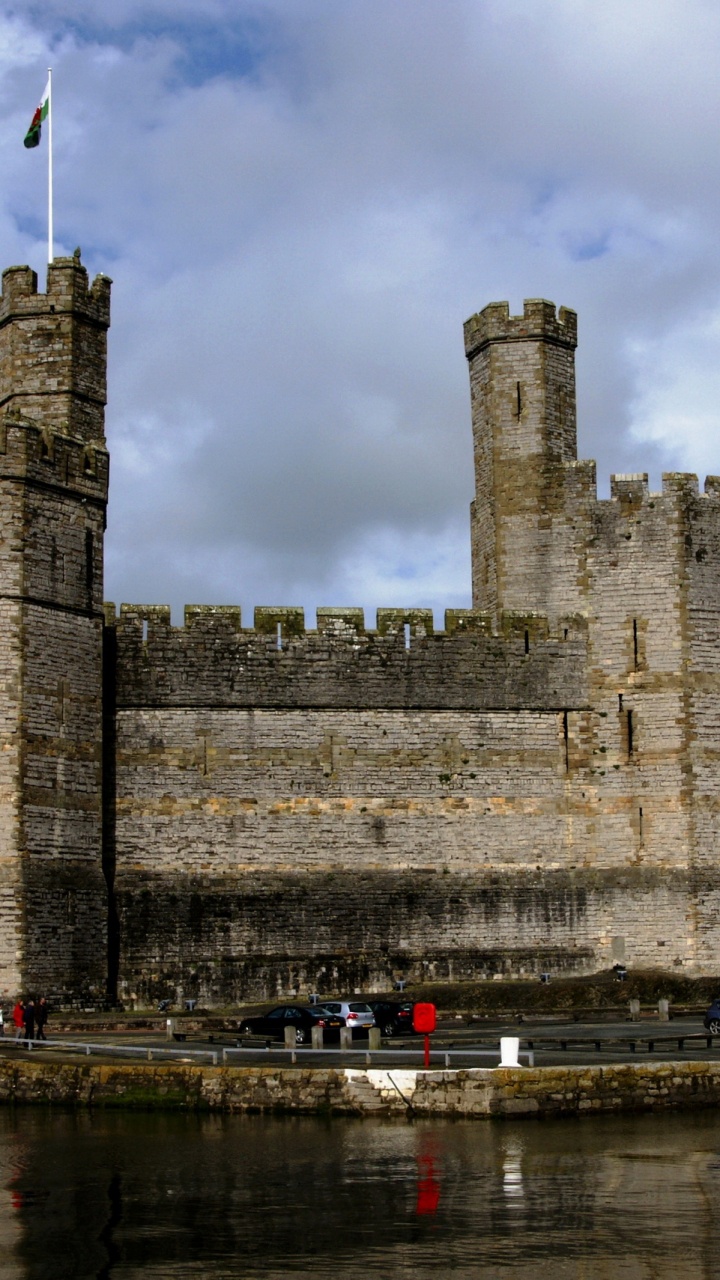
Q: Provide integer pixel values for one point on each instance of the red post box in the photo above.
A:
(424, 1018)
(425, 1021)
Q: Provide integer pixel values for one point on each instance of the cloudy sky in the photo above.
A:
(301, 201)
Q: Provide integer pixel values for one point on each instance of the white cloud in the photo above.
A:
(301, 203)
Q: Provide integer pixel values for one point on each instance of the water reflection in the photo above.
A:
(428, 1185)
(167, 1196)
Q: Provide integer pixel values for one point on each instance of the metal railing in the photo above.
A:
(224, 1055)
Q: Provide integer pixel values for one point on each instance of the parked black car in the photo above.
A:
(393, 1018)
(712, 1017)
(273, 1023)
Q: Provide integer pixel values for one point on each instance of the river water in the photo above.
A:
(130, 1195)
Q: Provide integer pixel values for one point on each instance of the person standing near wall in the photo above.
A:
(29, 1015)
(18, 1017)
(41, 1017)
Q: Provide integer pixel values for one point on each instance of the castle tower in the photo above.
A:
(522, 379)
(53, 496)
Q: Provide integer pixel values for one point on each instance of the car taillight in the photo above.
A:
(320, 1022)
(351, 1017)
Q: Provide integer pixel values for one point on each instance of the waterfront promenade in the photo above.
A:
(576, 1068)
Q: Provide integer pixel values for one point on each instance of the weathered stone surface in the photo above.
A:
(53, 495)
(533, 787)
(472, 1094)
(281, 809)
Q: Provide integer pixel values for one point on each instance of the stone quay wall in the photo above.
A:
(478, 1093)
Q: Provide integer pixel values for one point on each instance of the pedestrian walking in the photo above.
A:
(29, 1015)
(18, 1017)
(41, 1017)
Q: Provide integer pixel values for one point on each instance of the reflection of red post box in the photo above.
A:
(424, 1018)
(424, 1021)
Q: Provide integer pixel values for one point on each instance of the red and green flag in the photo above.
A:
(32, 137)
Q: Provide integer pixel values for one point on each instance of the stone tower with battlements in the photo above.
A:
(522, 384)
(53, 496)
(287, 808)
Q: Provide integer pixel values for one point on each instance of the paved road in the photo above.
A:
(553, 1043)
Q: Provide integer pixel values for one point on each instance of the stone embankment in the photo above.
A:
(482, 1092)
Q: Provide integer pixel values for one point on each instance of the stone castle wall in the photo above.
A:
(523, 790)
(242, 811)
(53, 495)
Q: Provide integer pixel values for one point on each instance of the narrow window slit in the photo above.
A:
(527, 641)
(278, 636)
(566, 739)
(620, 698)
(145, 630)
(630, 732)
(640, 823)
(635, 643)
(406, 629)
(519, 399)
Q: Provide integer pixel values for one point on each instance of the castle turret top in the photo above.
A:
(67, 290)
(53, 348)
(539, 320)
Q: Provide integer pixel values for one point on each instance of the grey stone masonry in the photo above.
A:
(535, 786)
(53, 348)
(218, 811)
(53, 496)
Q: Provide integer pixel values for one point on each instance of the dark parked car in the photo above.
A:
(393, 1018)
(712, 1017)
(273, 1023)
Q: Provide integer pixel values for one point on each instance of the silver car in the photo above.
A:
(357, 1013)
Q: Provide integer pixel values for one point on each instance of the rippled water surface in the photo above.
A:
(126, 1195)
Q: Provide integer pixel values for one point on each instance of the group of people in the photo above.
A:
(30, 1019)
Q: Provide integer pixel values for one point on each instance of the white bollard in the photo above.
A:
(509, 1049)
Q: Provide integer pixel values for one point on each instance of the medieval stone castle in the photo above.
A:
(219, 812)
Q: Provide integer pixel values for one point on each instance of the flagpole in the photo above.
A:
(50, 169)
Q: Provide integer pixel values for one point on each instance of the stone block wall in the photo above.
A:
(53, 348)
(53, 495)
(278, 808)
(534, 786)
(333, 842)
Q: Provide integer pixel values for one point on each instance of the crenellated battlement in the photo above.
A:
(53, 348)
(538, 321)
(403, 663)
(677, 487)
(68, 290)
(215, 619)
(633, 488)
